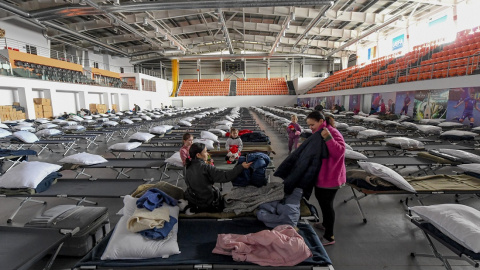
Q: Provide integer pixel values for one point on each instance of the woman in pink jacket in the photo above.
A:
(332, 173)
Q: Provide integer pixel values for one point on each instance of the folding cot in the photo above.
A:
(422, 162)
(120, 165)
(430, 231)
(147, 150)
(89, 138)
(14, 156)
(197, 238)
(423, 185)
(22, 247)
(68, 144)
(79, 190)
(267, 149)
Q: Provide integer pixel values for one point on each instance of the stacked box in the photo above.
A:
(114, 107)
(11, 113)
(98, 108)
(43, 108)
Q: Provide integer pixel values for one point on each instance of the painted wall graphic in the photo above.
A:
(430, 104)
(384, 102)
(404, 103)
(355, 103)
(464, 105)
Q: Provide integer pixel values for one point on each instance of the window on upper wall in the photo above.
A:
(31, 49)
(95, 64)
(122, 70)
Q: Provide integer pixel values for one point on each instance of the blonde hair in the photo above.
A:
(294, 116)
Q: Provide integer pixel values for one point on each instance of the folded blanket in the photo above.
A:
(160, 233)
(369, 178)
(246, 199)
(155, 198)
(171, 190)
(143, 219)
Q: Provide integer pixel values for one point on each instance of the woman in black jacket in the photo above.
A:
(200, 177)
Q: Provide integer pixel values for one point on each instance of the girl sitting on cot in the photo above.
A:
(201, 194)
(187, 142)
(234, 140)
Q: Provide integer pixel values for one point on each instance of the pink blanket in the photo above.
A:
(282, 246)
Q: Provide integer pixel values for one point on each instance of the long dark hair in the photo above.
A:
(195, 149)
(316, 115)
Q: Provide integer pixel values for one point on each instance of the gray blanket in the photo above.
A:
(247, 199)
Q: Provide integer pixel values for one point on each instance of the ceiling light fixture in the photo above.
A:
(145, 21)
(116, 2)
(82, 3)
(292, 16)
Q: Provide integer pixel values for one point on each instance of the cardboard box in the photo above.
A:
(47, 109)
(16, 103)
(42, 101)
(38, 107)
(47, 114)
(114, 107)
(38, 114)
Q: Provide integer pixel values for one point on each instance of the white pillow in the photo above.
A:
(89, 121)
(4, 126)
(104, 119)
(427, 129)
(24, 128)
(42, 121)
(147, 118)
(386, 174)
(356, 129)
(372, 120)
(459, 133)
(83, 159)
(476, 129)
(27, 174)
(459, 222)
(4, 133)
(409, 125)
(45, 126)
(218, 131)
(350, 154)
(229, 118)
(371, 133)
(26, 136)
(158, 130)
(141, 136)
(128, 245)
(405, 143)
(475, 168)
(110, 123)
(348, 147)
(223, 127)
(58, 121)
(450, 124)
(184, 123)
(26, 124)
(209, 135)
(341, 126)
(87, 117)
(208, 143)
(175, 160)
(48, 132)
(95, 116)
(127, 121)
(68, 123)
(125, 146)
(224, 122)
(76, 118)
(77, 127)
(431, 121)
(464, 156)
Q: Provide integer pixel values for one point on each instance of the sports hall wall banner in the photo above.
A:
(404, 103)
(387, 98)
(430, 104)
(464, 105)
(355, 103)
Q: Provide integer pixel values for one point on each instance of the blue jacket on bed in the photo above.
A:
(302, 166)
(255, 175)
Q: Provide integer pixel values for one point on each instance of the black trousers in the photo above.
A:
(325, 199)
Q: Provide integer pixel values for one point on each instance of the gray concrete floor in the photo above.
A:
(384, 242)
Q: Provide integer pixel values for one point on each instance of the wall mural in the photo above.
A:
(455, 104)
(464, 105)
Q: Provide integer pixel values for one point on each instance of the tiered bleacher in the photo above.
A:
(204, 87)
(426, 61)
(262, 86)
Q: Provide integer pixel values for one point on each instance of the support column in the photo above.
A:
(199, 73)
(268, 68)
(175, 73)
(81, 100)
(25, 97)
(292, 68)
(222, 75)
(161, 70)
(107, 100)
(302, 67)
(245, 69)
(344, 60)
